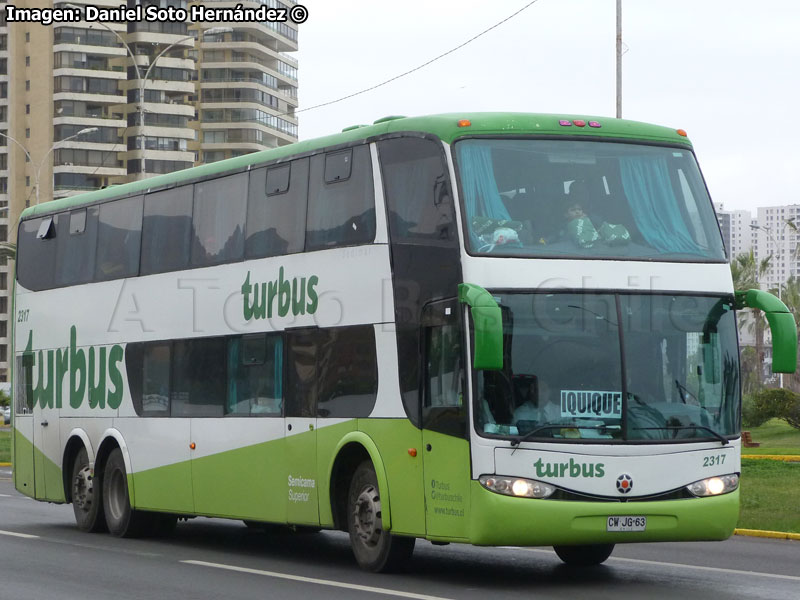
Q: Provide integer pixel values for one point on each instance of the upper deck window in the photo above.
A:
(576, 199)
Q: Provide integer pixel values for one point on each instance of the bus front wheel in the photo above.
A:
(87, 502)
(122, 520)
(584, 556)
(375, 549)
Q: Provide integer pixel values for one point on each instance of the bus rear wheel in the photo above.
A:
(375, 549)
(122, 520)
(87, 501)
(584, 556)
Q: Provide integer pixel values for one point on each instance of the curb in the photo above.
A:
(782, 457)
(777, 535)
(5, 464)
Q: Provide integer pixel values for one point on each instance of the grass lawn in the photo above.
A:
(776, 437)
(769, 492)
(5, 446)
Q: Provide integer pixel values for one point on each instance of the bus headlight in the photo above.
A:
(714, 486)
(516, 486)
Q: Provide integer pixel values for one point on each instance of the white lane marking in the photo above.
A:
(5, 495)
(328, 582)
(640, 561)
(21, 535)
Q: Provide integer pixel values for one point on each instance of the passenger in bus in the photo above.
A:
(538, 405)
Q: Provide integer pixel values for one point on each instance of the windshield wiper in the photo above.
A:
(717, 435)
(524, 438)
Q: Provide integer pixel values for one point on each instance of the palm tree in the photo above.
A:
(8, 250)
(747, 272)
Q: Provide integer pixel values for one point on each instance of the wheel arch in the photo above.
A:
(112, 439)
(76, 440)
(351, 451)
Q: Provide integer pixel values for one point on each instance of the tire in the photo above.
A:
(121, 519)
(374, 548)
(86, 493)
(584, 556)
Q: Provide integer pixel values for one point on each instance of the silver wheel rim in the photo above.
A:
(367, 516)
(83, 489)
(116, 495)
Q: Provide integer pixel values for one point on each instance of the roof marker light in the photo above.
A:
(681, 132)
(565, 123)
(594, 124)
(579, 123)
(464, 123)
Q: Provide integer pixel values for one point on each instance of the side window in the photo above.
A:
(276, 210)
(76, 240)
(36, 253)
(24, 384)
(119, 237)
(166, 230)
(198, 377)
(443, 406)
(417, 188)
(301, 372)
(341, 199)
(347, 369)
(218, 221)
(148, 367)
(255, 375)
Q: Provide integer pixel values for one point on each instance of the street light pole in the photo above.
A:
(143, 80)
(38, 166)
(619, 59)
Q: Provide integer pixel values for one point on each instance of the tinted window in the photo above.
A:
(276, 220)
(36, 256)
(338, 165)
(166, 230)
(218, 222)
(155, 362)
(301, 373)
(76, 238)
(255, 375)
(347, 369)
(417, 191)
(278, 179)
(578, 199)
(198, 377)
(341, 213)
(119, 238)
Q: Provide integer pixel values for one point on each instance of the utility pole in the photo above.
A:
(619, 59)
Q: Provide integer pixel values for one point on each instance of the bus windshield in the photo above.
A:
(565, 198)
(612, 367)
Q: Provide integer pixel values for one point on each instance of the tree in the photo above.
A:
(747, 272)
(775, 404)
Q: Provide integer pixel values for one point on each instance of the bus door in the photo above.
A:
(300, 426)
(444, 420)
(23, 425)
(46, 441)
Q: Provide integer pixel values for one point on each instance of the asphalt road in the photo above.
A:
(43, 556)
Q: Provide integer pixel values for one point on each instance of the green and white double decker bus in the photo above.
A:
(495, 329)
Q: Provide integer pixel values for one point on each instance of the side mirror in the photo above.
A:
(781, 324)
(487, 320)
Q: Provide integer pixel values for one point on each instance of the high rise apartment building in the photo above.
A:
(72, 96)
(771, 233)
(5, 271)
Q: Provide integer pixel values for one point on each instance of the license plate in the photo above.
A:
(626, 524)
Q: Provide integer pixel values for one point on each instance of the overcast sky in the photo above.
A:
(728, 72)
